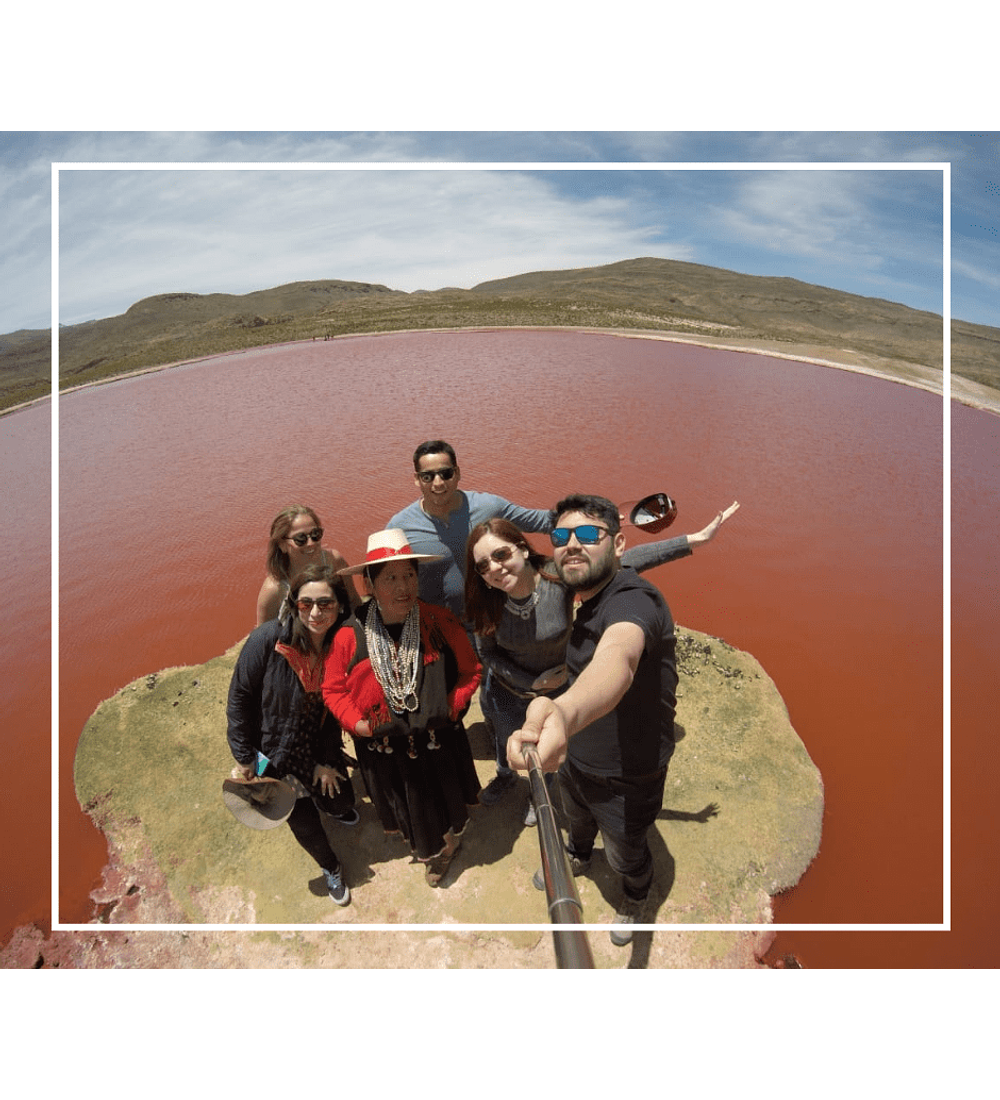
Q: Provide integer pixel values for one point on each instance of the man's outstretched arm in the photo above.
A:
(550, 723)
(706, 534)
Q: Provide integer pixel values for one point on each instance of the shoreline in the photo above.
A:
(960, 389)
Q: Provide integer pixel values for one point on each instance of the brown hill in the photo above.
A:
(642, 294)
(701, 297)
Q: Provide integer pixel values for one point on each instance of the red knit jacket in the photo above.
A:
(354, 694)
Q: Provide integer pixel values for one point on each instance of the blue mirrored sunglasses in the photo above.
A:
(587, 534)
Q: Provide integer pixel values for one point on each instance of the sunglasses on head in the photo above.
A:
(587, 534)
(324, 603)
(307, 536)
(446, 473)
(500, 555)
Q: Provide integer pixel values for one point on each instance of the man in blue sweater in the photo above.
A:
(440, 522)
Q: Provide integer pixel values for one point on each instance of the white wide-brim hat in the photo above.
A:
(258, 803)
(383, 546)
(654, 513)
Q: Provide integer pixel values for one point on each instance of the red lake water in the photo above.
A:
(832, 574)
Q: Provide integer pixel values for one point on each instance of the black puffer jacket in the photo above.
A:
(266, 700)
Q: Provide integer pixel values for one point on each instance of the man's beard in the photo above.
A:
(597, 573)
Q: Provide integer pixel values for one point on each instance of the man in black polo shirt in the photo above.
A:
(612, 731)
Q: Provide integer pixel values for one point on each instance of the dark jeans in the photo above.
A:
(504, 713)
(622, 810)
(305, 823)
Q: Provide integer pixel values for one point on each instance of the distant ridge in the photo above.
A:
(644, 294)
(782, 307)
(291, 297)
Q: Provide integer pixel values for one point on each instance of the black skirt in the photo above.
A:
(419, 790)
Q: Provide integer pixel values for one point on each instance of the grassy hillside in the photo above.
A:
(642, 294)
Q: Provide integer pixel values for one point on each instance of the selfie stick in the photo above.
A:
(572, 947)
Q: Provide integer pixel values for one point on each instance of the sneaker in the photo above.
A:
(627, 914)
(531, 814)
(350, 819)
(338, 888)
(497, 787)
(577, 867)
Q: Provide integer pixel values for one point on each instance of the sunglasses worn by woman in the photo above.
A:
(302, 538)
(295, 544)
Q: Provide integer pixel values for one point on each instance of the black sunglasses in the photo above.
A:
(446, 473)
(303, 537)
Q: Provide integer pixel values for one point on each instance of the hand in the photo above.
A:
(327, 779)
(545, 728)
(243, 771)
(706, 534)
(362, 729)
(549, 679)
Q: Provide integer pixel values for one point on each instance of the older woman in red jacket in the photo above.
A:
(399, 677)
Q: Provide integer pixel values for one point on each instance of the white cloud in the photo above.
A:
(817, 214)
(141, 237)
(128, 234)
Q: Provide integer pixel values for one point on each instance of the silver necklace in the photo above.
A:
(523, 609)
(395, 667)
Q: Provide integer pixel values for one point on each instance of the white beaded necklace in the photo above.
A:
(395, 668)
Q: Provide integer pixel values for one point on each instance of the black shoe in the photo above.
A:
(336, 886)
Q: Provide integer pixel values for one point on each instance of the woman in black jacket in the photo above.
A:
(278, 724)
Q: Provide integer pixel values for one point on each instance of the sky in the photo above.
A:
(254, 221)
